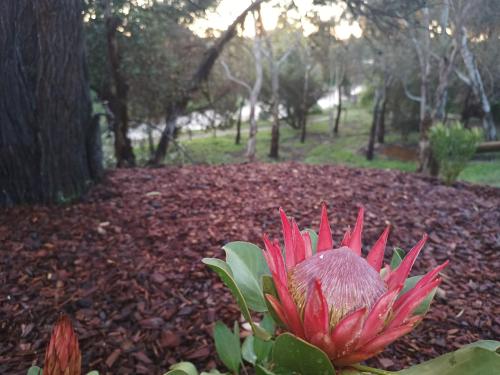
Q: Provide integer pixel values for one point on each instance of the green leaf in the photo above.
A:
(227, 344)
(474, 359)
(300, 357)
(224, 272)
(93, 372)
(182, 368)
(247, 351)
(35, 370)
(255, 350)
(262, 349)
(397, 257)
(426, 303)
(314, 240)
(248, 266)
(268, 324)
(491, 345)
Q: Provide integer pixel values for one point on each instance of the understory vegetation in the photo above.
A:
(321, 147)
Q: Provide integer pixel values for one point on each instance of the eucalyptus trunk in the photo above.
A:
(476, 83)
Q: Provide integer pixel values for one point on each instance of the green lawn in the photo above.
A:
(320, 147)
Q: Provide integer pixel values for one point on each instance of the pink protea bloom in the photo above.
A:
(336, 299)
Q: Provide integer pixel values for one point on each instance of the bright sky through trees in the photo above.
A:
(228, 10)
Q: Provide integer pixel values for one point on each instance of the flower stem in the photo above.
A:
(372, 370)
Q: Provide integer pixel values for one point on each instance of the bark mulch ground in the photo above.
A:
(125, 262)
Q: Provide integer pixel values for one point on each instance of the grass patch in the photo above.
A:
(320, 147)
(482, 172)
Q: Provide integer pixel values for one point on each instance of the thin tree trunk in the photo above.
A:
(151, 144)
(167, 135)
(255, 92)
(238, 124)
(426, 162)
(377, 109)
(477, 86)
(275, 131)
(48, 138)
(381, 124)
(118, 97)
(305, 94)
(339, 110)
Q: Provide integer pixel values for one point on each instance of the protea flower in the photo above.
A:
(336, 299)
(63, 355)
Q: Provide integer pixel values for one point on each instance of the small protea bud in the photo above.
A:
(63, 355)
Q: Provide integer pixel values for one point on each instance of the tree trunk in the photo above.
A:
(118, 96)
(238, 124)
(48, 140)
(255, 92)
(167, 135)
(339, 111)
(477, 86)
(151, 143)
(381, 124)
(303, 126)
(275, 131)
(427, 164)
(377, 109)
(305, 93)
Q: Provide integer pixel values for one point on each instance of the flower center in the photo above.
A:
(347, 280)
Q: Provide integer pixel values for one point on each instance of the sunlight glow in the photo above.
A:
(218, 20)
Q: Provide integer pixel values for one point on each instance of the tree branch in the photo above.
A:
(234, 79)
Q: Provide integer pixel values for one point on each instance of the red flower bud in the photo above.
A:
(63, 355)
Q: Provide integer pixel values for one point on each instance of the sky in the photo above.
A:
(228, 10)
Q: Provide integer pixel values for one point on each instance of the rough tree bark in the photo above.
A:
(117, 96)
(48, 139)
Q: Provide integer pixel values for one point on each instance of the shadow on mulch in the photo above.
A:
(125, 262)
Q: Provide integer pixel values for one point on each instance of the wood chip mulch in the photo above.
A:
(124, 263)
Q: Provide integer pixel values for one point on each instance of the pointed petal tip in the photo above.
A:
(355, 238)
(325, 240)
(376, 255)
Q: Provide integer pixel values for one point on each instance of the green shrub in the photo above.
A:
(453, 146)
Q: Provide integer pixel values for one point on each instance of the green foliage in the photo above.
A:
(479, 358)
(35, 370)
(426, 303)
(453, 146)
(228, 345)
(397, 257)
(222, 269)
(297, 356)
(248, 266)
